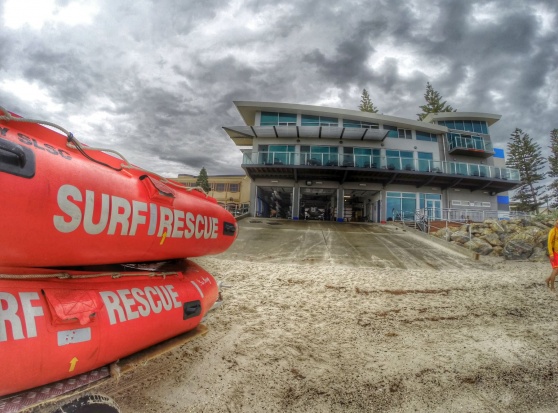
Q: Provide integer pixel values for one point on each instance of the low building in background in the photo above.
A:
(314, 162)
(232, 192)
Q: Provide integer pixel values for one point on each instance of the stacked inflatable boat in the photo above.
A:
(80, 232)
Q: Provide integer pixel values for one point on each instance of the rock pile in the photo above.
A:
(516, 239)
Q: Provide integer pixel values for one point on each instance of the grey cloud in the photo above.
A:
(166, 100)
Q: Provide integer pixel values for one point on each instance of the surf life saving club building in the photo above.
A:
(313, 162)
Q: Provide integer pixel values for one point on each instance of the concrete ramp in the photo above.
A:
(350, 244)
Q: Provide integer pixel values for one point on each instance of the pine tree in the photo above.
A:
(553, 166)
(203, 180)
(526, 156)
(433, 104)
(366, 104)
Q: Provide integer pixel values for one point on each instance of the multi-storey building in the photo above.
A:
(231, 191)
(337, 164)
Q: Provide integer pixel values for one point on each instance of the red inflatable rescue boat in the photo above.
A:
(52, 329)
(80, 232)
(65, 204)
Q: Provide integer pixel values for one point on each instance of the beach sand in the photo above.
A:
(479, 336)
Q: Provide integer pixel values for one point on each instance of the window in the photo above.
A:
(456, 140)
(425, 136)
(398, 133)
(361, 157)
(468, 125)
(404, 134)
(311, 120)
(319, 155)
(398, 160)
(347, 123)
(276, 154)
(425, 162)
(392, 131)
(234, 187)
(401, 206)
(220, 187)
(478, 126)
(325, 121)
(277, 119)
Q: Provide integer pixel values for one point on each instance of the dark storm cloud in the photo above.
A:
(156, 80)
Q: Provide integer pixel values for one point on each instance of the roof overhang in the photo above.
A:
(380, 176)
(489, 118)
(244, 135)
(248, 110)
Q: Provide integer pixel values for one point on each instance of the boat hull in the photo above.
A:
(53, 329)
(64, 207)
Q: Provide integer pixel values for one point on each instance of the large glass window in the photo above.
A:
(425, 162)
(458, 168)
(347, 123)
(277, 119)
(397, 160)
(478, 126)
(311, 120)
(400, 206)
(363, 157)
(276, 154)
(319, 155)
(425, 136)
(456, 140)
(234, 187)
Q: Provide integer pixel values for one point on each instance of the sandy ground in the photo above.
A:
(319, 337)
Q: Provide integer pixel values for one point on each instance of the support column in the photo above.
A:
(295, 207)
(340, 204)
(253, 199)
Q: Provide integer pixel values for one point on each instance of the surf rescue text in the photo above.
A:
(79, 209)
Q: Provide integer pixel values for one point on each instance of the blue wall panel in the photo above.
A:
(499, 153)
(503, 199)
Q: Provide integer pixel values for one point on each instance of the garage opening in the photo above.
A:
(274, 202)
(360, 206)
(318, 204)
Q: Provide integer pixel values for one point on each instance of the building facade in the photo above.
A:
(232, 192)
(313, 162)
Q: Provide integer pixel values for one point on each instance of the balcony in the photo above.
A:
(469, 145)
(379, 169)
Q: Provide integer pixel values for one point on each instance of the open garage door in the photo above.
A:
(274, 202)
(318, 203)
(360, 206)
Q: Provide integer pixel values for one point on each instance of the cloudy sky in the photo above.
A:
(156, 80)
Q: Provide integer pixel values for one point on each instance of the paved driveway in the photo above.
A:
(350, 244)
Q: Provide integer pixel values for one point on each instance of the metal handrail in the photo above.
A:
(380, 162)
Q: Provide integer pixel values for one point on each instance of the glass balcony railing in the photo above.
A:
(472, 143)
(380, 162)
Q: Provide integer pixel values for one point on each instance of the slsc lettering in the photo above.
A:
(43, 147)
(129, 304)
(116, 215)
(19, 312)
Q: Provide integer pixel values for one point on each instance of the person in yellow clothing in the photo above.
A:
(553, 255)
